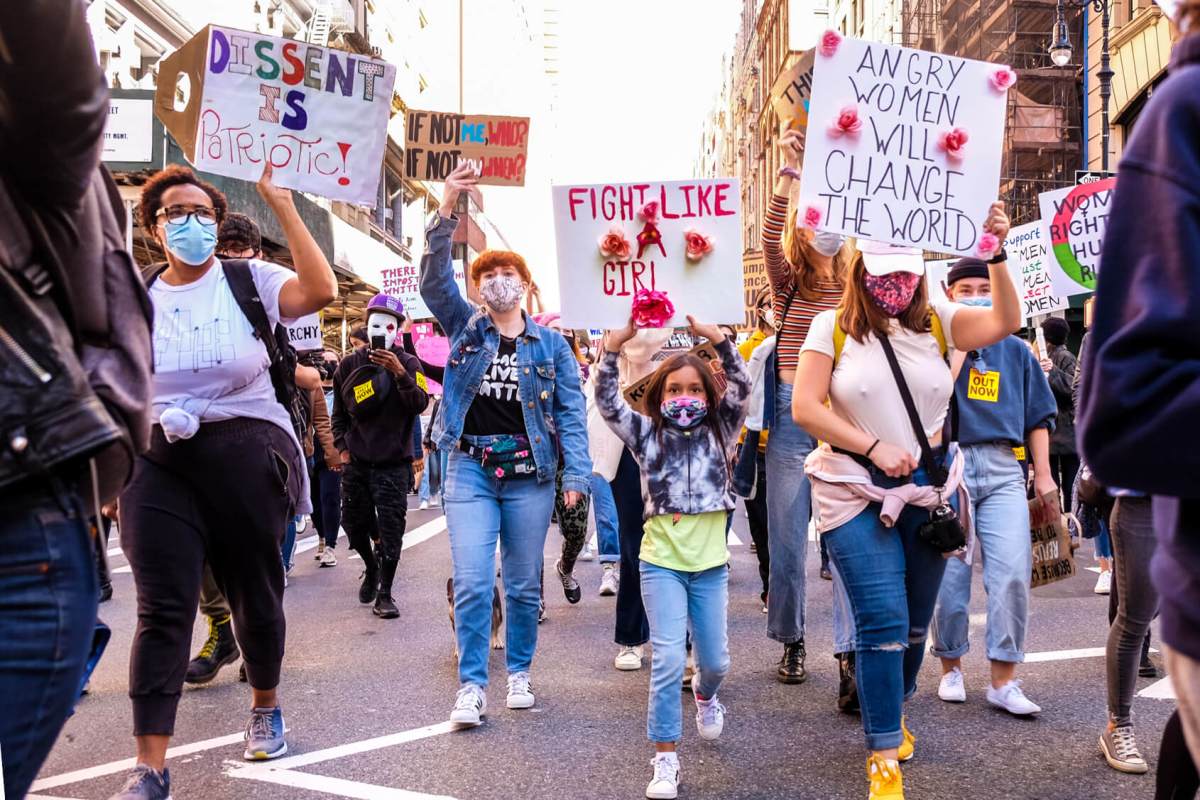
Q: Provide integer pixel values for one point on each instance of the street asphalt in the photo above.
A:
(366, 702)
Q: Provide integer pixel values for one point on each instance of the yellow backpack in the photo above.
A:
(839, 335)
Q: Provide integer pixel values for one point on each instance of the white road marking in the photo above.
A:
(365, 746)
(47, 797)
(328, 785)
(1066, 655)
(1159, 690)
(302, 546)
(125, 764)
(734, 540)
(417, 535)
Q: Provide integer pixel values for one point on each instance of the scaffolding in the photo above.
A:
(1042, 142)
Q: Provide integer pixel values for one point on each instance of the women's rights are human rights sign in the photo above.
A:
(902, 145)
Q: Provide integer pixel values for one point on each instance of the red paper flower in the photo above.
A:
(615, 244)
(846, 124)
(1003, 78)
(812, 217)
(988, 245)
(649, 212)
(652, 309)
(698, 245)
(828, 45)
(953, 143)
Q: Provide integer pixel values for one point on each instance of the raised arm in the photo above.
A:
(779, 271)
(976, 328)
(438, 288)
(627, 424)
(315, 285)
(735, 401)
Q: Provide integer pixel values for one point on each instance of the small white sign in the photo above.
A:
(1030, 267)
(404, 281)
(129, 130)
(305, 333)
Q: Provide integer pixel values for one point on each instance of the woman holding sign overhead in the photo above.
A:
(807, 271)
(883, 486)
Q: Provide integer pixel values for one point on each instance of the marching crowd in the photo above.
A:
(170, 403)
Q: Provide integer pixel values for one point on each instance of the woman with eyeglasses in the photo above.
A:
(224, 473)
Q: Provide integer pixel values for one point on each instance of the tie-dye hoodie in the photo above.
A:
(683, 472)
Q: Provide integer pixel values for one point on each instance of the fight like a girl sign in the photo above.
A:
(319, 115)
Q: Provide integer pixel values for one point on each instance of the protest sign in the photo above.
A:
(791, 93)
(683, 238)
(432, 349)
(317, 114)
(635, 393)
(305, 333)
(1052, 557)
(435, 142)
(404, 281)
(903, 146)
(754, 278)
(1073, 223)
(935, 278)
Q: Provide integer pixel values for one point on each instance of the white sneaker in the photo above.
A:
(1104, 582)
(951, 689)
(665, 783)
(328, 559)
(470, 706)
(424, 505)
(610, 581)
(1012, 699)
(710, 718)
(301, 524)
(588, 553)
(520, 693)
(628, 659)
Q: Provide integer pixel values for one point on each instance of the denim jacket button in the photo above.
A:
(537, 439)
(531, 404)
(527, 370)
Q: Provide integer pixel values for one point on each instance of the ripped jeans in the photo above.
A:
(892, 580)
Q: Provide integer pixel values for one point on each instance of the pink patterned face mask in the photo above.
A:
(893, 292)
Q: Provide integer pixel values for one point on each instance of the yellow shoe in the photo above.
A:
(886, 782)
(907, 747)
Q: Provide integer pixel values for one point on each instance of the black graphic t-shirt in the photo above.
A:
(497, 407)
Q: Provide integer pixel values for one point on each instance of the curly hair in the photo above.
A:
(237, 233)
(490, 259)
(174, 175)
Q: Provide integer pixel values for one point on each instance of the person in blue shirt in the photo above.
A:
(1003, 402)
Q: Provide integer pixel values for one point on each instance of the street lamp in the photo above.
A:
(1060, 54)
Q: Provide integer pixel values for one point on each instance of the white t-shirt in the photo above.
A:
(863, 391)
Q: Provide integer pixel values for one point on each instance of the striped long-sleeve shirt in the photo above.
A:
(798, 317)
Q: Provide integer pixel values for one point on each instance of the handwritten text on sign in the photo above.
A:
(603, 286)
(754, 278)
(404, 281)
(436, 142)
(305, 333)
(883, 161)
(1073, 222)
(1029, 264)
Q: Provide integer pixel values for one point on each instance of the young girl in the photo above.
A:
(683, 453)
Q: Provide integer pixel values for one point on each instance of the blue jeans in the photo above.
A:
(843, 617)
(891, 579)
(47, 620)
(287, 548)
(327, 501)
(606, 520)
(1001, 512)
(431, 477)
(479, 510)
(789, 507)
(673, 599)
(1104, 548)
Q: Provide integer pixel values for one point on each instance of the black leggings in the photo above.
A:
(1177, 778)
(226, 495)
(632, 627)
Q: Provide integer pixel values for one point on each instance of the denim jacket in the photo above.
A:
(551, 397)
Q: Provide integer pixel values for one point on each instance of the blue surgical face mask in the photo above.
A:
(981, 302)
(193, 241)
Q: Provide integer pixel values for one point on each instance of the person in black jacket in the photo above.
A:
(1138, 426)
(378, 393)
(1059, 365)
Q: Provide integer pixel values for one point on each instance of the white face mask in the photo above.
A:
(768, 316)
(827, 243)
(502, 292)
(382, 325)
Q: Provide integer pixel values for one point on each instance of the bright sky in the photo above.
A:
(637, 80)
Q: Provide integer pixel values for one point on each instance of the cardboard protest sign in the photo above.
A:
(791, 93)
(317, 114)
(1073, 223)
(432, 349)
(305, 333)
(754, 277)
(683, 238)
(404, 281)
(1052, 557)
(903, 146)
(635, 393)
(435, 142)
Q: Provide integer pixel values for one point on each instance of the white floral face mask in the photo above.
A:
(502, 292)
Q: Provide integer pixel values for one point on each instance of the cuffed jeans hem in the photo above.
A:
(785, 639)
(154, 714)
(950, 652)
(884, 741)
(1008, 656)
(661, 739)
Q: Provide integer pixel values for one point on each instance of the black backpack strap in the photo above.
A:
(937, 472)
(150, 274)
(241, 283)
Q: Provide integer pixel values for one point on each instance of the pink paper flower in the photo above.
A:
(652, 309)
(812, 217)
(846, 124)
(698, 244)
(649, 212)
(1003, 78)
(953, 143)
(615, 244)
(988, 245)
(828, 45)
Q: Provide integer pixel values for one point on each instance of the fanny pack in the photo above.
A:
(507, 456)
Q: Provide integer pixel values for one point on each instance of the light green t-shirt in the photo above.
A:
(693, 544)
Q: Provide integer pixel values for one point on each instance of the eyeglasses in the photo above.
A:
(178, 215)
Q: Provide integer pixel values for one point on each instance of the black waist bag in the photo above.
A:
(365, 390)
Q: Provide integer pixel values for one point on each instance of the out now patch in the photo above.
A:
(984, 386)
(363, 391)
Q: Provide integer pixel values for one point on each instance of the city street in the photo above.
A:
(366, 703)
